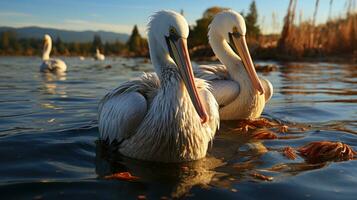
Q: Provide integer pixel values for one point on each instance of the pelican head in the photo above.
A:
(47, 40)
(230, 26)
(168, 32)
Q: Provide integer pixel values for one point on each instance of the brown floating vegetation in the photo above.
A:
(283, 129)
(256, 123)
(264, 134)
(261, 176)
(245, 125)
(289, 152)
(125, 176)
(267, 129)
(327, 151)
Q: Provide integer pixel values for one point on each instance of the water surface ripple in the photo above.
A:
(48, 130)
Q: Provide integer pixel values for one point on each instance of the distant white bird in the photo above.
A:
(236, 86)
(168, 117)
(49, 64)
(98, 55)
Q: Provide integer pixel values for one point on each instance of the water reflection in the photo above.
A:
(50, 83)
(233, 158)
(179, 178)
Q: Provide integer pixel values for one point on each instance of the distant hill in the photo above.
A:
(66, 35)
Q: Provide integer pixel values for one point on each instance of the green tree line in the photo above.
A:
(10, 44)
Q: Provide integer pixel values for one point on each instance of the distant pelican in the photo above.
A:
(49, 64)
(98, 55)
(236, 86)
(168, 117)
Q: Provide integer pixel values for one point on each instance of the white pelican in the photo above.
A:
(98, 55)
(48, 64)
(235, 84)
(168, 117)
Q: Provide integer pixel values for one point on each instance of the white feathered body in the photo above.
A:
(231, 83)
(50, 64)
(164, 123)
(237, 98)
(98, 55)
(53, 65)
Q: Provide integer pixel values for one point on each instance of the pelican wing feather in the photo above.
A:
(224, 89)
(122, 110)
(211, 72)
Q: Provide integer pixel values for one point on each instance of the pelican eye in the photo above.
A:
(235, 29)
(172, 30)
(235, 32)
(173, 34)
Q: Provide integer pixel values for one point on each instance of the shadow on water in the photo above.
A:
(48, 131)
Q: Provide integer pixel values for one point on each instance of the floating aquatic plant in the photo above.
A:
(266, 123)
(289, 153)
(283, 129)
(246, 124)
(261, 176)
(327, 151)
(264, 134)
(125, 176)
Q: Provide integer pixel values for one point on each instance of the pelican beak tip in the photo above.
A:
(204, 119)
(261, 91)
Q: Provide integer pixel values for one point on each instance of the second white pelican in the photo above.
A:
(98, 55)
(168, 117)
(236, 86)
(49, 64)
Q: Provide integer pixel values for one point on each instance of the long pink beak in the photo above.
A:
(182, 59)
(243, 51)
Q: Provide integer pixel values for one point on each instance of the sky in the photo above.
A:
(121, 15)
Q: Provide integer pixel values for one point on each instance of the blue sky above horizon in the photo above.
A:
(120, 16)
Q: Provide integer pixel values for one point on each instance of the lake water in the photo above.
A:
(48, 134)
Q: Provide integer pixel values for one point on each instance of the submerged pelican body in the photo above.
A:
(240, 93)
(168, 116)
(50, 64)
(98, 55)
